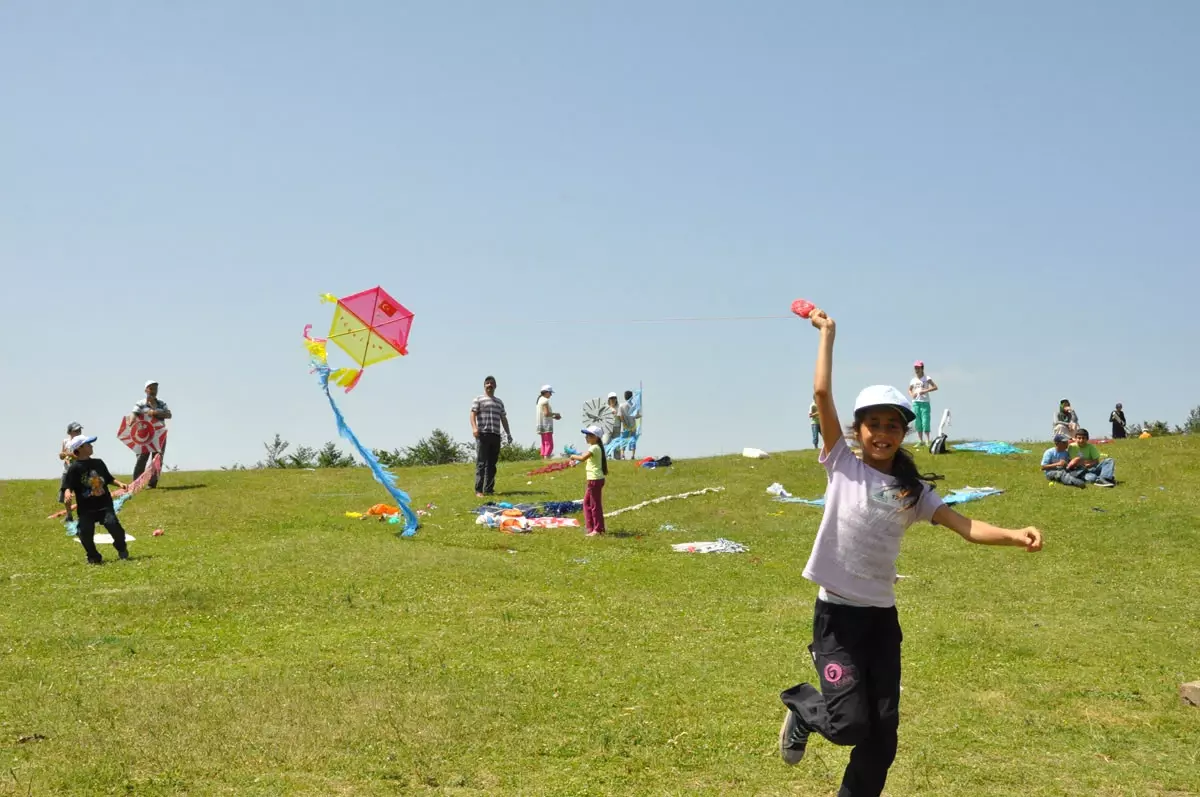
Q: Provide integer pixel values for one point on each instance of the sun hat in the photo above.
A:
(79, 440)
(593, 430)
(74, 426)
(546, 389)
(149, 383)
(885, 396)
(919, 364)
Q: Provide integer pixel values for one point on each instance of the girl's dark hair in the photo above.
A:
(603, 458)
(904, 468)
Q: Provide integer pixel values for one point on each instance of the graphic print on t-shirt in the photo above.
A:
(893, 496)
(94, 483)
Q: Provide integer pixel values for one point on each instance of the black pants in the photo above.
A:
(87, 532)
(143, 460)
(487, 454)
(857, 654)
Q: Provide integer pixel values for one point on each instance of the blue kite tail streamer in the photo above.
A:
(382, 474)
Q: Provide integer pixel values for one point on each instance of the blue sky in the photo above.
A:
(1009, 191)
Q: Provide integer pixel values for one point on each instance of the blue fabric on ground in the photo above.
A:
(990, 447)
(969, 494)
(791, 499)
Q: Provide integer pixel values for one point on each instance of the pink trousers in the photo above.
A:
(593, 506)
(547, 444)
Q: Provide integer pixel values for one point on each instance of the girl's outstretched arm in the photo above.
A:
(831, 428)
(986, 534)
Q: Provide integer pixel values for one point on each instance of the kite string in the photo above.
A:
(669, 320)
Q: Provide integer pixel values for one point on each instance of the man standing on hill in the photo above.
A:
(488, 419)
(152, 408)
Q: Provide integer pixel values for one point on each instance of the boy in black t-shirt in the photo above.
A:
(88, 480)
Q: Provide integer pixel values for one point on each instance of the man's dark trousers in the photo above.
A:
(487, 454)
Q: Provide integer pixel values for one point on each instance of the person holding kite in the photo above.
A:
(869, 503)
(151, 408)
(596, 471)
(88, 479)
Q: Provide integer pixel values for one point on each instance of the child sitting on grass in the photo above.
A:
(88, 479)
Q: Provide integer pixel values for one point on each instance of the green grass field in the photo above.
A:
(267, 645)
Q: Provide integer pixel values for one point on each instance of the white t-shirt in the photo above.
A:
(545, 423)
(66, 462)
(858, 542)
(917, 383)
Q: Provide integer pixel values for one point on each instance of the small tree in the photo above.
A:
(302, 457)
(275, 450)
(1192, 424)
(1156, 428)
(390, 459)
(437, 449)
(515, 452)
(330, 456)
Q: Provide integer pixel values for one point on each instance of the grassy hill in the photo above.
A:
(267, 645)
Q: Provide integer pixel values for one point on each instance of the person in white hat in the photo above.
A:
(88, 480)
(856, 631)
(154, 408)
(919, 389)
(597, 470)
(546, 416)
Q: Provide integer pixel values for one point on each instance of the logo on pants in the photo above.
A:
(837, 675)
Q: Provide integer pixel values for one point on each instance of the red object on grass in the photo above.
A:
(803, 307)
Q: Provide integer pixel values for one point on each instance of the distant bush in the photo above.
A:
(515, 452)
(1192, 424)
(439, 448)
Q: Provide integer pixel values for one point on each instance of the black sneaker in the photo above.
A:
(123, 554)
(95, 561)
(793, 739)
(1103, 483)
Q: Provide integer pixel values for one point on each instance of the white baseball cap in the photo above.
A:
(613, 395)
(149, 383)
(546, 389)
(594, 430)
(79, 440)
(885, 396)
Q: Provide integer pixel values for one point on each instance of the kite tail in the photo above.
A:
(623, 442)
(382, 474)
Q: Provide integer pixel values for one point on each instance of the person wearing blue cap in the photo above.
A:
(1056, 463)
(88, 480)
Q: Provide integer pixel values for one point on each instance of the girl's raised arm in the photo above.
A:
(831, 428)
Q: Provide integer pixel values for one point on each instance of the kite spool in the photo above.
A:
(803, 308)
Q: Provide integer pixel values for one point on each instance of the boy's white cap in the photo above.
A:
(593, 430)
(613, 395)
(79, 440)
(885, 396)
(546, 389)
(149, 382)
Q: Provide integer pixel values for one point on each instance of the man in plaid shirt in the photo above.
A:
(488, 418)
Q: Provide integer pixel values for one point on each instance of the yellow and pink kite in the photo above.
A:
(370, 326)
